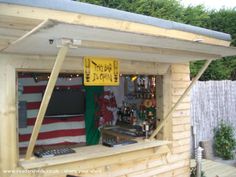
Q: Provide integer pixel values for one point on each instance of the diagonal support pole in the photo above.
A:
(46, 98)
(167, 117)
(35, 29)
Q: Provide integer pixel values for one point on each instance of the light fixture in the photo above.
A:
(72, 43)
(134, 78)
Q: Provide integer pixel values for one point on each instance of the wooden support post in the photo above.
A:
(8, 136)
(163, 122)
(47, 95)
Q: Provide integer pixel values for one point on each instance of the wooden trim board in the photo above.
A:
(38, 63)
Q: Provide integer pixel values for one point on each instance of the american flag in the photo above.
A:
(54, 131)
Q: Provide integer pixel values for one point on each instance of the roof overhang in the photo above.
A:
(108, 13)
(93, 41)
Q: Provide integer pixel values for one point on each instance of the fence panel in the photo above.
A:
(211, 102)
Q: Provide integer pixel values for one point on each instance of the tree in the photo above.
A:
(221, 69)
(166, 9)
(223, 20)
(197, 16)
(126, 5)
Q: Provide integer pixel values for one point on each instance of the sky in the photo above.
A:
(210, 4)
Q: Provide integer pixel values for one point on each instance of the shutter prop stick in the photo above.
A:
(168, 116)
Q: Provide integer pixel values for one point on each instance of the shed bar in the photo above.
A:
(92, 91)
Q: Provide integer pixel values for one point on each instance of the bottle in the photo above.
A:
(133, 119)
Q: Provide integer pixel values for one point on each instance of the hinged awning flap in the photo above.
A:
(91, 41)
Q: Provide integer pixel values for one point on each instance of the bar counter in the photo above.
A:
(93, 152)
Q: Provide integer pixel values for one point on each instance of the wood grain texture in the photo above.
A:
(93, 152)
(142, 161)
(75, 18)
(183, 95)
(8, 111)
(75, 65)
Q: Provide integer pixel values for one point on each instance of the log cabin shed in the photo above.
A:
(54, 36)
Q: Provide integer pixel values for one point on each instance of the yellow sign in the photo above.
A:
(100, 71)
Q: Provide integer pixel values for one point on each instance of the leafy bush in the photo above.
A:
(193, 172)
(224, 141)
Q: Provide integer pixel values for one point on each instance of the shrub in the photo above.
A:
(224, 141)
(193, 172)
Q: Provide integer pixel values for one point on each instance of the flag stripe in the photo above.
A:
(34, 97)
(34, 89)
(32, 113)
(54, 134)
(62, 129)
(41, 88)
(55, 126)
(60, 81)
(46, 120)
(33, 105)
(58, 145)
(53, 141)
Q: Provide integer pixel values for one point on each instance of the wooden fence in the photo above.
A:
(211, 102)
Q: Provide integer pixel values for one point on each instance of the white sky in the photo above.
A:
(210, 4)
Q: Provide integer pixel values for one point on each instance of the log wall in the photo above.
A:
(145, 162)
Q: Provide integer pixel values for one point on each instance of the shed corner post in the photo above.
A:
(8, 117)
(163, 100)
(164, 121)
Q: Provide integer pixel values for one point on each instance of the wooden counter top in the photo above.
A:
(92, 152)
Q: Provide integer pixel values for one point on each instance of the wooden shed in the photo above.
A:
(46, 36)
